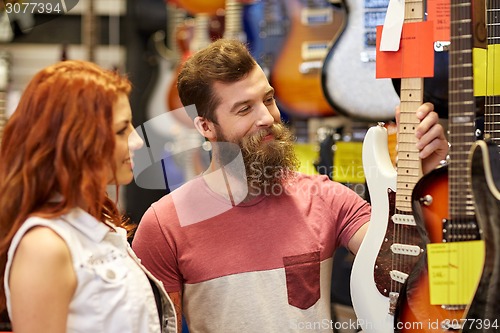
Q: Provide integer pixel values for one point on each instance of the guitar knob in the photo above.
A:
(426, 200)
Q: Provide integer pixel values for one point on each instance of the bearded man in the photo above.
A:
(248, 245)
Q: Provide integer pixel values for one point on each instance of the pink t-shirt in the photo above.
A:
(262, 264)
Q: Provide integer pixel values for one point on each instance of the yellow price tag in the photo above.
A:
(307, 153)
(348, 163)
(487, 71)
(454, 271)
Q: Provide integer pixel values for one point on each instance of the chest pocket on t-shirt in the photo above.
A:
(303, 279)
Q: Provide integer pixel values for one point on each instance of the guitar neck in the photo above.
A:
(492, 101)
(461, 113)
(409, 169)
(233, 27)
(174, 19)
(201, 36)
(90, 30)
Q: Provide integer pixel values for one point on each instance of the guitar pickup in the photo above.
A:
(314, 50)
(309, 67)
(460, 231)
(398, 276)
(317, 16)
(405, 249)
(403, 219)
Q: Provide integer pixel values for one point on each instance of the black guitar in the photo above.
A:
(485, 180)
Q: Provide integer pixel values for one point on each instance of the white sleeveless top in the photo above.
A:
(113, 293)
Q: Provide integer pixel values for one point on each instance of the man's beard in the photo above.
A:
(267, 163)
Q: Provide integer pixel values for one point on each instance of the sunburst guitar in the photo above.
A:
(296, 76)
(201, 6)
(442, 205)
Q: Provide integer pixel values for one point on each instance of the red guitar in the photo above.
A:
(442, 203)
(296, 76)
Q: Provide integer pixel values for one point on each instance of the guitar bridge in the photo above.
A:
(393, 300)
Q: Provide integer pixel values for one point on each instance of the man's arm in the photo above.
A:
(357, 238)
(176, 298)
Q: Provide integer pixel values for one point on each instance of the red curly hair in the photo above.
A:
(59, 141)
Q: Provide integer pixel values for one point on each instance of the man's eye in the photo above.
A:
(244, 110)
(269, 100)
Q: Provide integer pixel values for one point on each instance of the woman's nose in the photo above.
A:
(135, 141)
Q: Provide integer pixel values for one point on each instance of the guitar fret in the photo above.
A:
(406, 164)
(403, 205)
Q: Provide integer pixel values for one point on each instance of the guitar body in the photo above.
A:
(381, 180)
(296, 76)
(201, 6)
(266, 26)
(414, 304)
(348, 76)
(485, 178)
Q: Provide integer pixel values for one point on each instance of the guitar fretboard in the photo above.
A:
(461, 116)
(233, 27)
(409, 168)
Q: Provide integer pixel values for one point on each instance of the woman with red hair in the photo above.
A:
(65, 261)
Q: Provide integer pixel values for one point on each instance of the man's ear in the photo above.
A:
(205, 127)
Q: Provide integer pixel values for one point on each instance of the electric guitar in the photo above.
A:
(442, 199)
(485, 179)
(348, 72)
(191, 35)
(296, 76)
(266, 26)
(392, 244)
(166, 57)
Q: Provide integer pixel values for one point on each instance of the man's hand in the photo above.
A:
(431, 141)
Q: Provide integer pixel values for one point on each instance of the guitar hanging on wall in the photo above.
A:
(266, 26)
(348, 73)
(296, 76)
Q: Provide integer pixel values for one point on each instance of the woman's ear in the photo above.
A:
(205, 127)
